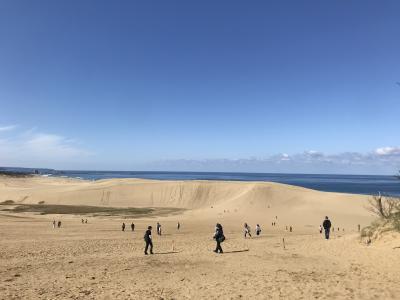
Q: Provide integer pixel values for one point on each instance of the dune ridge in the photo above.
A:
(203, 199)
(98, 260)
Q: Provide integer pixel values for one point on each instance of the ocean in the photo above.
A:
(354, 184)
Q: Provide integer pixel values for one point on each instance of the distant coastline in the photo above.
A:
(353, 184)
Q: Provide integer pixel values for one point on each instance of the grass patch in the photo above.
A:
(15, 174)
(47, 209)
(7, 202)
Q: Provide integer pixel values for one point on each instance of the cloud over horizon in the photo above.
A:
(385, 160)
(33, 148)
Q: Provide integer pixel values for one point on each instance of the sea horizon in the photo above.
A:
(340, 183)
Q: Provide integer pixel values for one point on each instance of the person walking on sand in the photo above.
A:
(219, 238)
(258, 229)
(133, 226)
(327, 227)
(247, 230)
(54, 224)
(59, 224)
(148, 240)
(123, 226)
(158, 228)
(178, 226)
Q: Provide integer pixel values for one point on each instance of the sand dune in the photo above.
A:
(99, 261)
(216, 200)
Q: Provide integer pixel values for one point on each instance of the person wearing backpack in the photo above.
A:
(219, 238)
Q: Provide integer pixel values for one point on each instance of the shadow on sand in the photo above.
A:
(170, 252)
(236, 251)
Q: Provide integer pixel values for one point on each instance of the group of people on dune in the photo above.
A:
(219, 236)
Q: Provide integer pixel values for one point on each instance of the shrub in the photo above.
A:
(7, 202)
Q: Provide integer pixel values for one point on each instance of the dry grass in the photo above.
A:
(46, 209)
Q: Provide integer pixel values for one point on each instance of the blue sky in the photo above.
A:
(185, 85)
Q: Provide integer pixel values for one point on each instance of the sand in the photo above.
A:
(99, 261)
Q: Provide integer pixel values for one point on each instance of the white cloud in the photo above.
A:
(7, 128)
(388, 151)
(38, 149)
(385, 161)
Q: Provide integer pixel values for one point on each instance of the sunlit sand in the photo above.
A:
(98, 261)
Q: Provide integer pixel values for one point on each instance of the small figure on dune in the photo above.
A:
(359, 227)
(54, 223)
(82, 221)
(148, 240)
(123, 226)
(327, 226)
(247, 230)
(219, 238)
(59, 224)
(86, 221)
(320, 228)
(258, 229)
(290, 229)
(133, 226)
(178, 226)
(158, 228)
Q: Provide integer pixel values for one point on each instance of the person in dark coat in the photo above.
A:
(219, 238)
(327, 227)
(123, 226)
(133, 226)
(148, 241)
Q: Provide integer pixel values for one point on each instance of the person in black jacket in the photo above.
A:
(219, 238)
(147, 239)
(327, 226)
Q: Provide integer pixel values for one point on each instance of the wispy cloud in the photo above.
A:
(7, 128)
(33, 148)
(385, 160)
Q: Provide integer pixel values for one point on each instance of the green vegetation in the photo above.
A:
(387, 209)
(15, 174)
(45, 209)
(7, 202)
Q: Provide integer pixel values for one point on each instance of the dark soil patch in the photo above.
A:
(46, 209)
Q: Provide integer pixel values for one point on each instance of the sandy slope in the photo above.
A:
(98, 261)
(241, 201)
